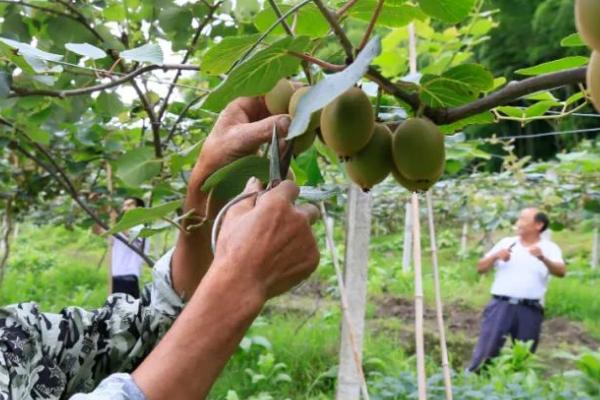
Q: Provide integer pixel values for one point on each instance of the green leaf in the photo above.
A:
(307, 161)
(230, 180)
(141, 215)
(150, 53)
(573, 40)
(474, 75)
(438, 91)
(541, 96)
(108, 104)
(186, 157)
(511, 111)
(39, 135)
(219, 58)
(540, 108)
(554, 66)
(137, 166)
(5, 79)
(478, 119)
(86, 50)
(328, 89)
(393, 15)
(115, 12)
(259, 73)
(175, 18)
(309, 21)
(451, 11)
(574, 97)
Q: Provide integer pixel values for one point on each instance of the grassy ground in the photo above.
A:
(292, 349)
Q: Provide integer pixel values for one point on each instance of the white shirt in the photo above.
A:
(125, 261)
(523, 276)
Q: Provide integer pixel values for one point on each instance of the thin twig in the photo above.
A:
(342, 10)
(22, 92)
(371, 25)
(332, 19)
(317, 61)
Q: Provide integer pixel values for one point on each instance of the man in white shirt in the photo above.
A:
(523, 265)
(126, 265)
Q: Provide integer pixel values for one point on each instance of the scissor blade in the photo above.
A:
(274, 164)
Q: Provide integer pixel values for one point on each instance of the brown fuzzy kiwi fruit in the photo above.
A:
(278, 98)
(418, 149)
(347, 122)
(593, 78)
(374, 162)
(587, 19)
(414, 186)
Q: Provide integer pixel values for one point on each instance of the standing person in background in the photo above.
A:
(126, 265)
(523, 265)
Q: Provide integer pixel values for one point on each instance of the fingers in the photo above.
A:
(253, 186)
(310, 211)
(254, 134)
(286, 190)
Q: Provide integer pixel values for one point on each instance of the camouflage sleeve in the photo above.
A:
(54, 356)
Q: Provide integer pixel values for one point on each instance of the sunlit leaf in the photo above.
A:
(150, 53)
(573, 40)
(220, 57)
(137, 166)
(230, 180)
(451, 11)
(554, 66)
(86, 50)
(143, 215)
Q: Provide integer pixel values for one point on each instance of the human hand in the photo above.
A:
(266, 241)
(241, 128)
(536, 251)
(503, 254)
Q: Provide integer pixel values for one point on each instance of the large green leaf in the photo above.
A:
(258, 74)
(220, 57)
(141, 215)
(473, 75)
(27, 50)
(456, 86)
(309, 21)
(175, 18)
(307, 161)
(150, 53)
(115, 12)
(554, 66)
(230, 180)
(392, 15)
(477, 119)
(137, 166)
(451, 11)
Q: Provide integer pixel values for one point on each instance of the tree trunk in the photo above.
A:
(407, 247)
(355, 280)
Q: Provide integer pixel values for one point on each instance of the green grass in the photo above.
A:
(57, 267)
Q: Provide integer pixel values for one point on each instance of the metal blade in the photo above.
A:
(274, 163)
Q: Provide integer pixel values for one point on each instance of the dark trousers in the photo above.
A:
(500, 320)
(126, 284)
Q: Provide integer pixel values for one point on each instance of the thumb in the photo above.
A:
(253, 187)
(259, 132)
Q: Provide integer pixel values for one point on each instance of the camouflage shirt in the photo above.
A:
(67, 355)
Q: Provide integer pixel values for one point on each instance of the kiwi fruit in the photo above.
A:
(374, 162)
(587, 19)
(278, 98)
(418, 150)
(347, 122)
(414, 186)
(593, 79)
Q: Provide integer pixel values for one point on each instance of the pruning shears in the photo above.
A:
(279, 165)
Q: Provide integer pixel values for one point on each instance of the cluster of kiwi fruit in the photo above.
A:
(587, 19)
(414, 153)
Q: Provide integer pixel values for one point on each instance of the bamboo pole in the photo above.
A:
(407, 247)
(438, 299)
(350, 328)
(419, 332)
(595, 248)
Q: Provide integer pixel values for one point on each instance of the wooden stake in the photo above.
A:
(438, 299)
(595, 248)
(407, 247)
(419, 333)
(353, 294)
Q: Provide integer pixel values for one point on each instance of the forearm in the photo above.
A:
(192, 354)
(554, 267)
(193, 254)
(486, 263)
